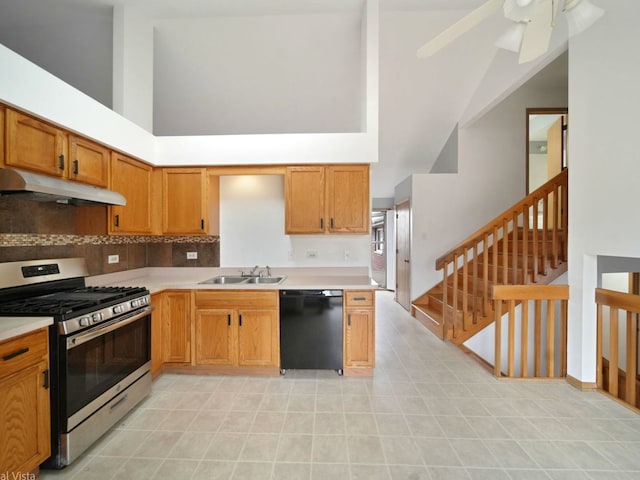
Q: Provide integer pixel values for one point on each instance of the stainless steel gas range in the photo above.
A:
(100, 347)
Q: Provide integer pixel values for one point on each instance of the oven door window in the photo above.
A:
(102, 362)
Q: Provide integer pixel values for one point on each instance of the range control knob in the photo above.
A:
(96, 317)
(84, 322)
(118, 309)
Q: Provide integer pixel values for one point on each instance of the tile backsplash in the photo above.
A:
(31, 230)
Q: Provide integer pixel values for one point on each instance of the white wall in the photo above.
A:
(258, 74)
(604, 166)
(252, 230)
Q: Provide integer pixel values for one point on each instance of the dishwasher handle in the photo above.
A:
(311, 293)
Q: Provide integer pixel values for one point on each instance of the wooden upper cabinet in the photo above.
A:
(88, 162)
(184, 201)
(304, 200)
(348, 198)
(35, 145)
(134, 180)
(327, 199)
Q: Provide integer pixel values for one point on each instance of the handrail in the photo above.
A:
(559, 180)
(629, 303)
(549, 351)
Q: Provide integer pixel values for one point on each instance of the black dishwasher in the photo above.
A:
(311, 330)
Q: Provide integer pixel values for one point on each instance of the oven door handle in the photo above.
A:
(119, 322)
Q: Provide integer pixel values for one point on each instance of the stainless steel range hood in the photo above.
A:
(19, 183)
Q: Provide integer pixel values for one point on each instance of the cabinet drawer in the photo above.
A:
(359, 298)
(23, 351)
(237, 298)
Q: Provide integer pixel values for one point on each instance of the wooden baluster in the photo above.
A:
(556, 229)
(545, 229)
(537, 339)
(565, 221)
(485, 275)
(525, 244)
(550, 339)
(511, 339)
(524, 340)
(505, 252)
(536, 229)
(474, 286)
(456, 325)
(515, 232)
(599, 357)
(632, 358)
(613, 351)
(495, 248)
(446, 325)
(465, 287)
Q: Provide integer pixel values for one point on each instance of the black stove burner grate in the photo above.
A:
(67, 302)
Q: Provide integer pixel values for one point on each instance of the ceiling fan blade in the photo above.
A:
(537, 36)
(459, 28)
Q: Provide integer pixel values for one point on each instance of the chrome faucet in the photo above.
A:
(253, 271)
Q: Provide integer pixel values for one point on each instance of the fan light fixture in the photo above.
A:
(581, 14)
(512, 39)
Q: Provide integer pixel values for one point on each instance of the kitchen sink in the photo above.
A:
(272, 280)
(225, 279)
(237, 279)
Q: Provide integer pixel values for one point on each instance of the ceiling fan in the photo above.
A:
(532, 25)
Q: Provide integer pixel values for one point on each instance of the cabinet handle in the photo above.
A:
(117, 220)
(322, 223)
(331, 222)
(240, 320)
(228, 320)
(15, 354)
(202, 224)
(61, 162)
(359, 299)
(349, 320)
(76, 167)
(45, 379)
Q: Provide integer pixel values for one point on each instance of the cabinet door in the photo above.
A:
(156, 334)
(215, 337)
(258, 338)
(348, 198)
(24, 420)
(133, 180)
(35, 145)
(304, 200)
(184, 198)
(359, 338)
(176, 327)
(89, 162)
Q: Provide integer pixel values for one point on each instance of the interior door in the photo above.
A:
(555, 147)
(403, 254)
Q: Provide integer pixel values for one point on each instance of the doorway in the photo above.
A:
(379, 247)
(546, 157)
(403, 254)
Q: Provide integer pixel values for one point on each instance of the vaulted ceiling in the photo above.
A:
(420, 101)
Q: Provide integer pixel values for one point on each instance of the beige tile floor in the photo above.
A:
(429, 412)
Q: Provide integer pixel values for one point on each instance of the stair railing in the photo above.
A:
(617, 382)
(541, 338)
(534, 230)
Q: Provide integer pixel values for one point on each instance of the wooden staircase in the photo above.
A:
(526, 244)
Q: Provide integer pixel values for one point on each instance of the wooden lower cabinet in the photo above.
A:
(24, 403)
(237, 328)
(156, 334)
(176, 326)
(359, 332)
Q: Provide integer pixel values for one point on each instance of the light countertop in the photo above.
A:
(157, 279)
(15, 326)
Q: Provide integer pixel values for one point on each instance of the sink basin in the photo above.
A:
(231, 279)
(225, 279)
(272, 280)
